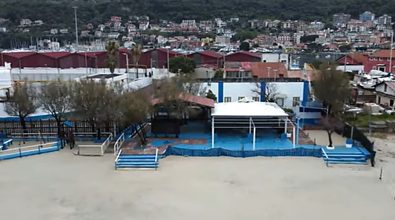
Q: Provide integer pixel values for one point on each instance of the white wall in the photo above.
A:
(5, 76)
(351, 68)
(275, 57)
(288, 90)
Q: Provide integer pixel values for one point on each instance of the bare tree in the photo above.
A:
(271, 91)
(55, 98)
(332, 88)
(23, 102)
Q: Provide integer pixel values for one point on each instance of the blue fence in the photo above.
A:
(216, 152)
(29, 151)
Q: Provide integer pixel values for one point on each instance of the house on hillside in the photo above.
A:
(381, 60)
(385, 93)
(353, 62)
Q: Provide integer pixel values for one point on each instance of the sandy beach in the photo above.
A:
(63, 186)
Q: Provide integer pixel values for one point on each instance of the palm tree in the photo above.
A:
(136, 52)
(112, 55)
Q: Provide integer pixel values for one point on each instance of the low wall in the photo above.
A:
(217, 152)
(94, 149)
(90, 150)
(29, 150)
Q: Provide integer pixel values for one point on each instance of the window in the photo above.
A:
(295, 101)
(228, 99)
(385, 87)
(391, 102)
(240, 98)
(381, 68)
(379, 100)
(255, 98)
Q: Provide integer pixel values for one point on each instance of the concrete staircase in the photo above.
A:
(127, 161)
(353, 155)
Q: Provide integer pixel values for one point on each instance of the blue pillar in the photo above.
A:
(263, 91)
(297, 131)
(220, 91)
(306, 93)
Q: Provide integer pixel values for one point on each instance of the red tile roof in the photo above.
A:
(268, 70)
(384, 53)
(199, 100)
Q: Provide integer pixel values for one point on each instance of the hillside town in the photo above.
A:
(344, 33)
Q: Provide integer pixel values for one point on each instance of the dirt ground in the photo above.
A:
(61, 186)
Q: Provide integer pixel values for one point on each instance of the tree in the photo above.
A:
(332, 88)
(22, 103)
(136, 52)
(93, 102)
(55, 98)
(211, 95)
(112, 55)
(245, 46)
(135, 108)
(271, 91)
(183, 64)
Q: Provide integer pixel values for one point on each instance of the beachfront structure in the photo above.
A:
(294, 95)
(246, 114)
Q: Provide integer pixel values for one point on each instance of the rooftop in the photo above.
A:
(248, 109)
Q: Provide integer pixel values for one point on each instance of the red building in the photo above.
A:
(380, 60)
(152, 58)
(15, 58)
(157, 58)
(76, 60)
(208, 59)
(243, 56)
(39, 60)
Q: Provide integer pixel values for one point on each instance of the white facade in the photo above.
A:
(385, 94)
(5, 79)
(233, 91)
(351, 68)
(276, 58)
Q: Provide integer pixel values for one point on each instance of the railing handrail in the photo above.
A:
(119, 154)
(326, 156)
(156, 155)
(106, 143)
(28, 148)
(119, 143)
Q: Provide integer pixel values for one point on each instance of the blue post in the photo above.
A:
(263, 91)
(297, 130)
(220, 91)
(306, 93)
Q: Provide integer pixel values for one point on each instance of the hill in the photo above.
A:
(60, 11)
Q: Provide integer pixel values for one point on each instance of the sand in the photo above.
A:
(61, 186)
(321, 138)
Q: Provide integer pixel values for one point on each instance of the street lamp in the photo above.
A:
(127, 62)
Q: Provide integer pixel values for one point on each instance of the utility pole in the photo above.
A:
(392, 42)
(76, 26)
